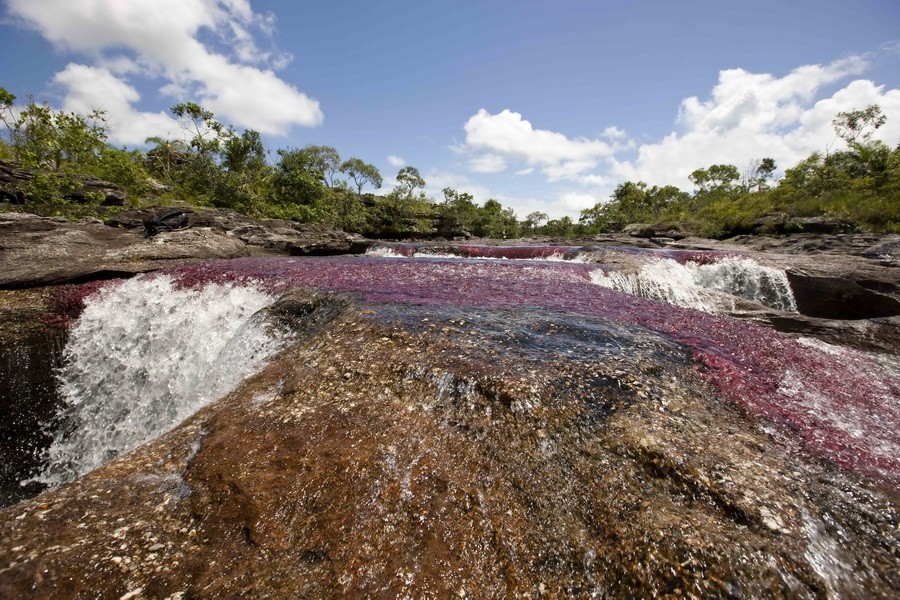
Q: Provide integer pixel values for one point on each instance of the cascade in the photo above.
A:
(144, 355)
(709, 287)
(139, 360)
(524, 415)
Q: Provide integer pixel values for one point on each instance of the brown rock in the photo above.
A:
(377, 459)
(36, 251)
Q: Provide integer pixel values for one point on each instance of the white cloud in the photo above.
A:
(574, 202)
(94, 87)
(487, 163)
(396, 161)
(746, 116)
(507, 135)
(614, 133)
(750, 116)
(163, 37)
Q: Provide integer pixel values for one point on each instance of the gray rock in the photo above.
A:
(38, 251)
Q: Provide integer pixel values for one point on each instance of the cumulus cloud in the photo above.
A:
(91, 87)
(577, 201)
(750, 116)
(396, 161)
(162, 39)
(508, 135)
(746, 116)
(487, 163)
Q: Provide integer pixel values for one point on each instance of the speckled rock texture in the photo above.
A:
(422, 451)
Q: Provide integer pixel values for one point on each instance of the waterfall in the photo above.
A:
(143, 356)
(708, 287)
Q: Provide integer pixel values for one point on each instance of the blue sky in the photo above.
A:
(542, 105)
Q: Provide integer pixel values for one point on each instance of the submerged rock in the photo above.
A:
(490, 431)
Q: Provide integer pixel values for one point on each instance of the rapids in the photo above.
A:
(465, 421)
(142, 357)
(148, 352)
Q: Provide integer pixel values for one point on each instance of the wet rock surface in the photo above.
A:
(30, 350)
(491, 428)
(434, 451)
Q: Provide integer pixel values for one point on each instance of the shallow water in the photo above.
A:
(839, 403)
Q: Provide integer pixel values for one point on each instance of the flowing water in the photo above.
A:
(148, 352)
(468, 414)
(145, 355)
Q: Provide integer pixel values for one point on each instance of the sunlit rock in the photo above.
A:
(436, 427)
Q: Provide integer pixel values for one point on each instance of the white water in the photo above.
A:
(710, 287)
(144, 356)
(387, 252)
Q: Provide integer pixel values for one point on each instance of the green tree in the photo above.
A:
(497, 222)
(361, 173)
(533, 222)
(408, 181)
(166, 156)
(204, 130)
(296, 190)
(324, 159)
(458, 214)
(563, 227)
(716, 178)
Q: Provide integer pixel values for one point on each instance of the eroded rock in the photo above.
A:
(415, 450)
(39, 251)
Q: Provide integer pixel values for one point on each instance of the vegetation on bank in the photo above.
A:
(216, 165)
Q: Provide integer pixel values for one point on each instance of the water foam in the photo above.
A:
(145, 355)
(708, 287)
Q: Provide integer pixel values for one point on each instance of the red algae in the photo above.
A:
(840, 404)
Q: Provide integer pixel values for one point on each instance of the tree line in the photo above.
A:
(855, 188)
(216, 165)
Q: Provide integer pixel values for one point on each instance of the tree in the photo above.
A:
(7, 113)
(497, 222)
(716, 178)
(324, 159)
(296, 191)
(563, 227)
(361, 173)
(757, 174)
(459, 213)
(857, 126)
(201, 124)
(166, 155)
(243, 153)
(408, 181)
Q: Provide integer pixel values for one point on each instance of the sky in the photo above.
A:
(544, 106)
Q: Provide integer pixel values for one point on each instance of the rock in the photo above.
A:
(839, 298)
(641, 230)
(30, 352)
(39, 251)
(491, 453)
(272, 235)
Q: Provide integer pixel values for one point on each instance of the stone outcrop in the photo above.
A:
(37, 251)
(422, 451)
(488, 449)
